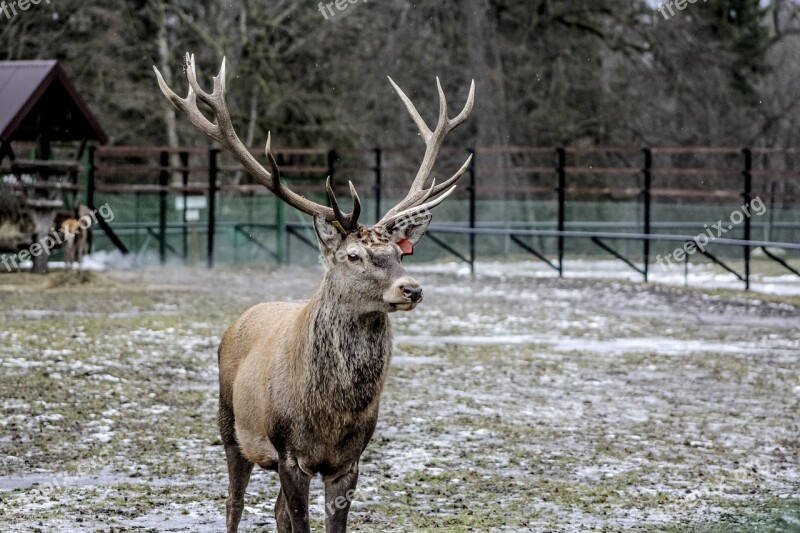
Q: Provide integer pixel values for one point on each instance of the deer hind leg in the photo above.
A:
(81, 248)
(239, 470)
(294, 487)
(338, 497)
(68, 256)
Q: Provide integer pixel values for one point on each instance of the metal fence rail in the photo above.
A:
(660, 175)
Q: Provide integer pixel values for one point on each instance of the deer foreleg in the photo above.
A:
(282, 519)
(338, 497)
(294, 487)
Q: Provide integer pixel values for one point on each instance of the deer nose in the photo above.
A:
(412, 292)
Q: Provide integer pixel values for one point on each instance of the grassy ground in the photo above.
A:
(512, 405)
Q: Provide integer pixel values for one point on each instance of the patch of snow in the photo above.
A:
(699, 275)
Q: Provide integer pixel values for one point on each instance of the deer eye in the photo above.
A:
(352, 256)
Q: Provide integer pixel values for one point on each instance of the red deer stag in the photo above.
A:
(300, 384)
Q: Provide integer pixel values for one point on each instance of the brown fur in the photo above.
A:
(75, 239)
(300, 384)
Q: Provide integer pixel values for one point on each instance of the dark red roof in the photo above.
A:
(37, 95)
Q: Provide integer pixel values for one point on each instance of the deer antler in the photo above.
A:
(419, 197)
(224, 133)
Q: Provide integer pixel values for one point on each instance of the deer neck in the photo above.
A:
(345, 352)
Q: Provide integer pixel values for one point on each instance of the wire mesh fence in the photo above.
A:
(162, 203)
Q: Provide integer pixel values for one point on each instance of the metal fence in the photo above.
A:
(195, 204)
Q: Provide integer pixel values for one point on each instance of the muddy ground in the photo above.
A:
(513, 404)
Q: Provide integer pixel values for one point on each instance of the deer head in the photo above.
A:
(363, 264)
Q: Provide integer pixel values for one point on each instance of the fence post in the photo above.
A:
(163, 181)
(282, 237)
(472, 200)
(90, 185)
(90, 177)
(746, 193)
(136, 220)
(213, 156)
(560, 190)
(771, 219)
(185, 180)
(646, 178)
(378, 187)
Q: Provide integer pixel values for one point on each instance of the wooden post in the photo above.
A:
(213, 156)
(163, 182)
(472, 199)
(646, 198)
(561, 173)
(746, 196)
(185, 182)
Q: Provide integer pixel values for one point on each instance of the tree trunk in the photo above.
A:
(490, 101)
(166, 71)
(484, 58)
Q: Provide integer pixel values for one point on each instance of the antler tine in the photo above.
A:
(453, 179)
(418, 193)
(191, 75)
(442, 104)
(273, 164)
(467, 111)
(188, 106)
(415, 116)
(356, 212)
(389, 222)
(224, 133)
(349, 222)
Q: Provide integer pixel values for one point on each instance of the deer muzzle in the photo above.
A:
(404, 294)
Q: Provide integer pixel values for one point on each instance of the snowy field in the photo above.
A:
(516, 402)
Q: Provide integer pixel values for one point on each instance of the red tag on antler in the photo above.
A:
(406, 247)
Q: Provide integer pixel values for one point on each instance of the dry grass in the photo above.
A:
(512, 405)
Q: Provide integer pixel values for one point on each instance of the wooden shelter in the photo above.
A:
(41, 110)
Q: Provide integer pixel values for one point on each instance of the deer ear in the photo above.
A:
(328, 236)
(411, 229)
